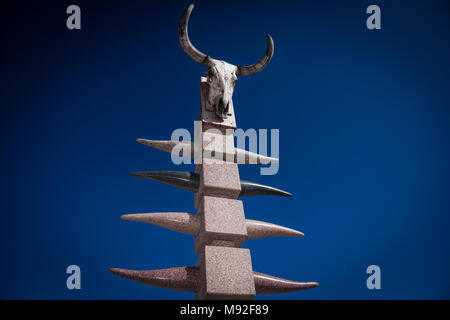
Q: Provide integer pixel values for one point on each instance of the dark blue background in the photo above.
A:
(364, 142)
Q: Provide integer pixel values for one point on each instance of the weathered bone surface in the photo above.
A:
(188, 279)
(189, 223)
(222, 76)
(190, 181)
(239, 156)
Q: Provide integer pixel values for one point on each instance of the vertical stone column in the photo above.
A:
(225, 268)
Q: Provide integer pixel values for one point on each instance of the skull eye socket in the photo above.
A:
(210, 74)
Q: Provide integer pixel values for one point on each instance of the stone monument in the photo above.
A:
(224, 269)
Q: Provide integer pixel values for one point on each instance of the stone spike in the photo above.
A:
(183, 222)
(181, 279)
(251, 157)
(168, 145)
(189, 223)
(188, 279)
(249, 188)
(259, 229)
(265, 284)
(190, 181)
(181, 179)
(248, 157)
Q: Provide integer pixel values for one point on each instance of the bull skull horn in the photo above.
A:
(261, 64)
(186, 44)
(204, 59)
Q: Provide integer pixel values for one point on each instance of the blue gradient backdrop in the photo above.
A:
(364, 142)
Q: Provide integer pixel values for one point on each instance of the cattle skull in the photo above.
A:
(221, 76)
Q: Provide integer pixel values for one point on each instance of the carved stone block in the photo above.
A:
(222, 223)
(220, 180)
(226, 274)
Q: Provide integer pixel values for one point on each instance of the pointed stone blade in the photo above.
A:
(188, 279)
(181, 278)
(190, 181)
(256, 189)
(181, 179)
(168, 145)
(241, 156)
(177, 221)
(266, 284)
(259, 229)
(189, 223)
(247, 157)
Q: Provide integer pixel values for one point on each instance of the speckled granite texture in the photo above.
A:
(226, 273)
(191, 181)
(189, 223)
(221, 180)
(189, 278)
(220, 219)
(216, 147)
